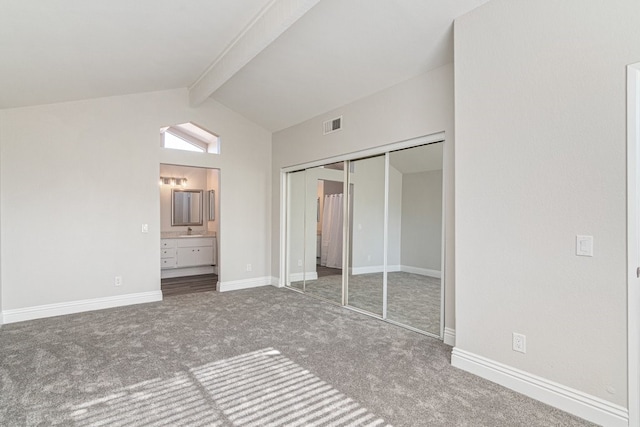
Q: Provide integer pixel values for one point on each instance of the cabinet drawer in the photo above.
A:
(168, 263)
(167, 253)
(167, 243)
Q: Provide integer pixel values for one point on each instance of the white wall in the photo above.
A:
(420, 106)
(540, 158)
(297, 206)
(367, 234)
(394, 247)
(422, 220)
(1, 138)
(79, 178)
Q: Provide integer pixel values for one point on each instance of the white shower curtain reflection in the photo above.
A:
(331, 243)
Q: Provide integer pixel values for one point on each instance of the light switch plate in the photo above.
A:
(145, 228)
(584, 245)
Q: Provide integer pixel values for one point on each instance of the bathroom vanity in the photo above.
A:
(188, 255)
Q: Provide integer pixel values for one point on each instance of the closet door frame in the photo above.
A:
(347, 157)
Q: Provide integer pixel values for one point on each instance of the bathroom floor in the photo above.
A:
(188, 284)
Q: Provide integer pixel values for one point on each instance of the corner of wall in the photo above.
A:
(449, 336)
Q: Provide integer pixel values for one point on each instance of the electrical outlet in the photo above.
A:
(299, 263)
(145, 228)
(118, 281)
(248, 267)
(584, 245)
(519, 343)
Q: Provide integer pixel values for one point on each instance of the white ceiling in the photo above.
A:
(62, 50)
(337, 52)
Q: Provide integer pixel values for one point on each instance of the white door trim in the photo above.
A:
(633, 241)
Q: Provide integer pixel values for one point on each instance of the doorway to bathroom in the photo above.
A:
(190, 226)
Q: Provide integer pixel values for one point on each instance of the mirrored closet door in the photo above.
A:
(415, 237)
(366, 233)
(296, 272)
(365, 277)
(325, 224)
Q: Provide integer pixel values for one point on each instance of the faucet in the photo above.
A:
(189, 230)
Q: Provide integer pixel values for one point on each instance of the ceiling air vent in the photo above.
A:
(332, 125)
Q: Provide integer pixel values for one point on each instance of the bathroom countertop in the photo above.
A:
(180, 234)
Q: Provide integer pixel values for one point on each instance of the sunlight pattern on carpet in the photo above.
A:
(264, 388)
(261, 388)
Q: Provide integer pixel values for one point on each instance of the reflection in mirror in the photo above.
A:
(324, 225)
(366, 240)
(186, 207)
(415, 201)
(212, 205)
(295, 229)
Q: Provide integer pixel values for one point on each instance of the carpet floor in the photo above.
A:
(256, 357)
(412, 299)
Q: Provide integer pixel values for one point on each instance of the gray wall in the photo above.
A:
(540, 158)
(422, 220)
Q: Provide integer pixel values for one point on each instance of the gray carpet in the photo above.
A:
(412, 299)
(258, 357)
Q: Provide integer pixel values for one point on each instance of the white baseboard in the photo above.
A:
(395, 268)
(299, 277)
(421, 271)
(235, 285)
(374, 269)
(59, 309)
(275, 281)
(449, 336)
(575, 402)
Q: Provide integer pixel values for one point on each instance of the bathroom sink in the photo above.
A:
(191, 235)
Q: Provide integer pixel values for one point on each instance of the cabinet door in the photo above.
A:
(187, 257)
(204, 255)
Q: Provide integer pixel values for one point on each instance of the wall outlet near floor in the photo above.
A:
(519, 343)
(248, 267)
(299, 263)
(118, 281)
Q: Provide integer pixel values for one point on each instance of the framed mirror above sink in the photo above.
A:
(186, 207)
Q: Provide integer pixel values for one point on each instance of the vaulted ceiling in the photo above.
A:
(276, 62)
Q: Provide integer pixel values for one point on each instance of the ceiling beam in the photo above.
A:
(270, 23)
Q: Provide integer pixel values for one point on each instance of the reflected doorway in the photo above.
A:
(326, 230)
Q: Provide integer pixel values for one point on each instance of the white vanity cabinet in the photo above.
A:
(194, 251)
(187, 252)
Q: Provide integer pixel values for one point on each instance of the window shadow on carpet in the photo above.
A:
(261, 388)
